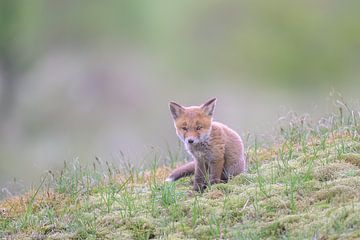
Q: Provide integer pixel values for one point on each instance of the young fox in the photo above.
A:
(217, 150)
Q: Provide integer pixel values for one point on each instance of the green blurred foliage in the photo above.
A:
(291, 43)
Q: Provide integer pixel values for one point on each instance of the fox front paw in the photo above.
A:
(215, 181)
(169, 179)
(199, 187)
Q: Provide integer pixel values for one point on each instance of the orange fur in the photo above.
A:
(217, 150)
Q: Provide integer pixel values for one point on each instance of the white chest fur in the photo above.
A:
(198, 152)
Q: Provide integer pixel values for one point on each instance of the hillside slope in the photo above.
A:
(306, 186)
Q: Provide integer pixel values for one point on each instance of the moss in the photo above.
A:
(275, 204)
(242, 179)
(183, 230)
(287, 225)
(339, 192)
(352, 158)
(177, 236)
(60, 236)
(274, 229)
(224, 188)
(343, 221)
(202, 232)
(214, 194)
(333, 171)
(142, 228)
(112, 220)
(352, 182)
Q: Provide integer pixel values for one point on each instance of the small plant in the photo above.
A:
(25, 220)
(216, 232)
(195, 212)
(108, 196)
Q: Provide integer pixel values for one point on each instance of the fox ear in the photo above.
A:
(176, 110)
(209, 107)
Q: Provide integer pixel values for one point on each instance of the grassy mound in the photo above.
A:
(307, 186)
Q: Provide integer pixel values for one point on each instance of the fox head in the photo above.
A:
(193, 124)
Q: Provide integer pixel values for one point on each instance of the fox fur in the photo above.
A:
(217, 150)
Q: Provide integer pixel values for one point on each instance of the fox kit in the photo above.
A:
(217, 150)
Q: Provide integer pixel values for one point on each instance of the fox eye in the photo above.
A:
(198, 128)
(184, 128)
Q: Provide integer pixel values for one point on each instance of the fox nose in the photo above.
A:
(190, 141)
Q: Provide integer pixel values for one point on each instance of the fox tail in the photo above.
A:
(182, 171)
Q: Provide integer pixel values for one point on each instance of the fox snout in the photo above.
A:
(191, 140)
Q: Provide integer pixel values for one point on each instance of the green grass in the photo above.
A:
(305, 185)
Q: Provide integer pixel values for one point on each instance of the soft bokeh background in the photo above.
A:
(80, 79)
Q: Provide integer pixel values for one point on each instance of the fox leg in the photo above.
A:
(216, 169)
(200, 176)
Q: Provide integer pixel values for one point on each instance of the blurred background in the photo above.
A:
(80, 79)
